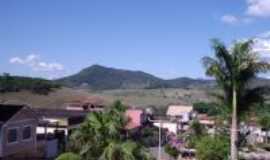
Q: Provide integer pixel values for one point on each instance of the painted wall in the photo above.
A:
(172, 127)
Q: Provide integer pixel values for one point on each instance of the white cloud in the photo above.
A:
(16, 60)
(34, 61)
(254, 9)
(262, 44)
(232, 20)
(258, 8)
(229, 19)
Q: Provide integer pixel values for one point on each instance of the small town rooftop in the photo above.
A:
(176, 110)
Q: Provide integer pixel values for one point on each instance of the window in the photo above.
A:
(26, 133)
(12, 135)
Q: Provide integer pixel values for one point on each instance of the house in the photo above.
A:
(52, 120)
(135, 117)
(17, 130)
(53, 129)
(86, 104)
(208, 122)
(171, 127)
(180, 113)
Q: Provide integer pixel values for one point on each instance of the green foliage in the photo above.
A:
(102, 136)
(148, 136)
(261, 109)
(197, 128)
(196, 132)
(210, 109)
(235, 68)
(173, 152)
(69, 156)
(264, 121)
(212, 148)
(36, 85)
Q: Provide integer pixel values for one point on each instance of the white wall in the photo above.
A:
(172, 127)
(41, 130)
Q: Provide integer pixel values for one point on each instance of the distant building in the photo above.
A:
(180, 112)
(52, 120)
(208, 122)
(86, 104)
(172, 127)
(17, 130)
(135, 118)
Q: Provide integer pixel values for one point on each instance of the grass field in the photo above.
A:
(154, 97)
(159, 98)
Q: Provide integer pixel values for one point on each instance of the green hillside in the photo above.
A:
(10, 83)
(101, 78)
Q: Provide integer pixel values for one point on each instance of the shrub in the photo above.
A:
(211, 109)
(69, 156)
(171, 151)
(196, 131)
(212, 148)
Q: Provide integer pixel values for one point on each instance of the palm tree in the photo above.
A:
(233, 70)
(125, 151)
(101, 137)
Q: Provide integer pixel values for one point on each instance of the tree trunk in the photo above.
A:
(234, 128)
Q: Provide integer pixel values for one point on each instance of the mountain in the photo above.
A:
(100, 78)
(185, 82)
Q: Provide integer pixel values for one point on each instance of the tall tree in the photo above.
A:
(234, 68)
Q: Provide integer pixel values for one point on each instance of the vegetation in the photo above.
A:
(173, 152)
(212, 148)
(69, 156)
(148, 136)
(211, 109)
(196, 132)
(10, 83)
(233, 70)
(264, 121)
(102, 136)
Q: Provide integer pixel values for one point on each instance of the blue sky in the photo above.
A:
(54, 38)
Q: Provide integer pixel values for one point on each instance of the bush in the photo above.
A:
(196, 131)
(173, 152)
(212, 148)
(69, 156)
(210, 109)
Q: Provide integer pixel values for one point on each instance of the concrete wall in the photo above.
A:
(172, 127)
(23, 118)
(21, 146)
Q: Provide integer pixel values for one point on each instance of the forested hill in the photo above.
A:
(100, 77)
(10, 83)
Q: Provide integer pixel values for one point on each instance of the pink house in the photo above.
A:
(135, 118)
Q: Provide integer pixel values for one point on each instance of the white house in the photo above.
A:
(180, 112)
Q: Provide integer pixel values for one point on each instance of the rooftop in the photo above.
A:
(7, 111)
(58, 113)
(176, 110)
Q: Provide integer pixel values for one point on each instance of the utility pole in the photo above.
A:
(160, 122)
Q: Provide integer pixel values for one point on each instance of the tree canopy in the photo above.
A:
(102, 136)
(10, 83)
